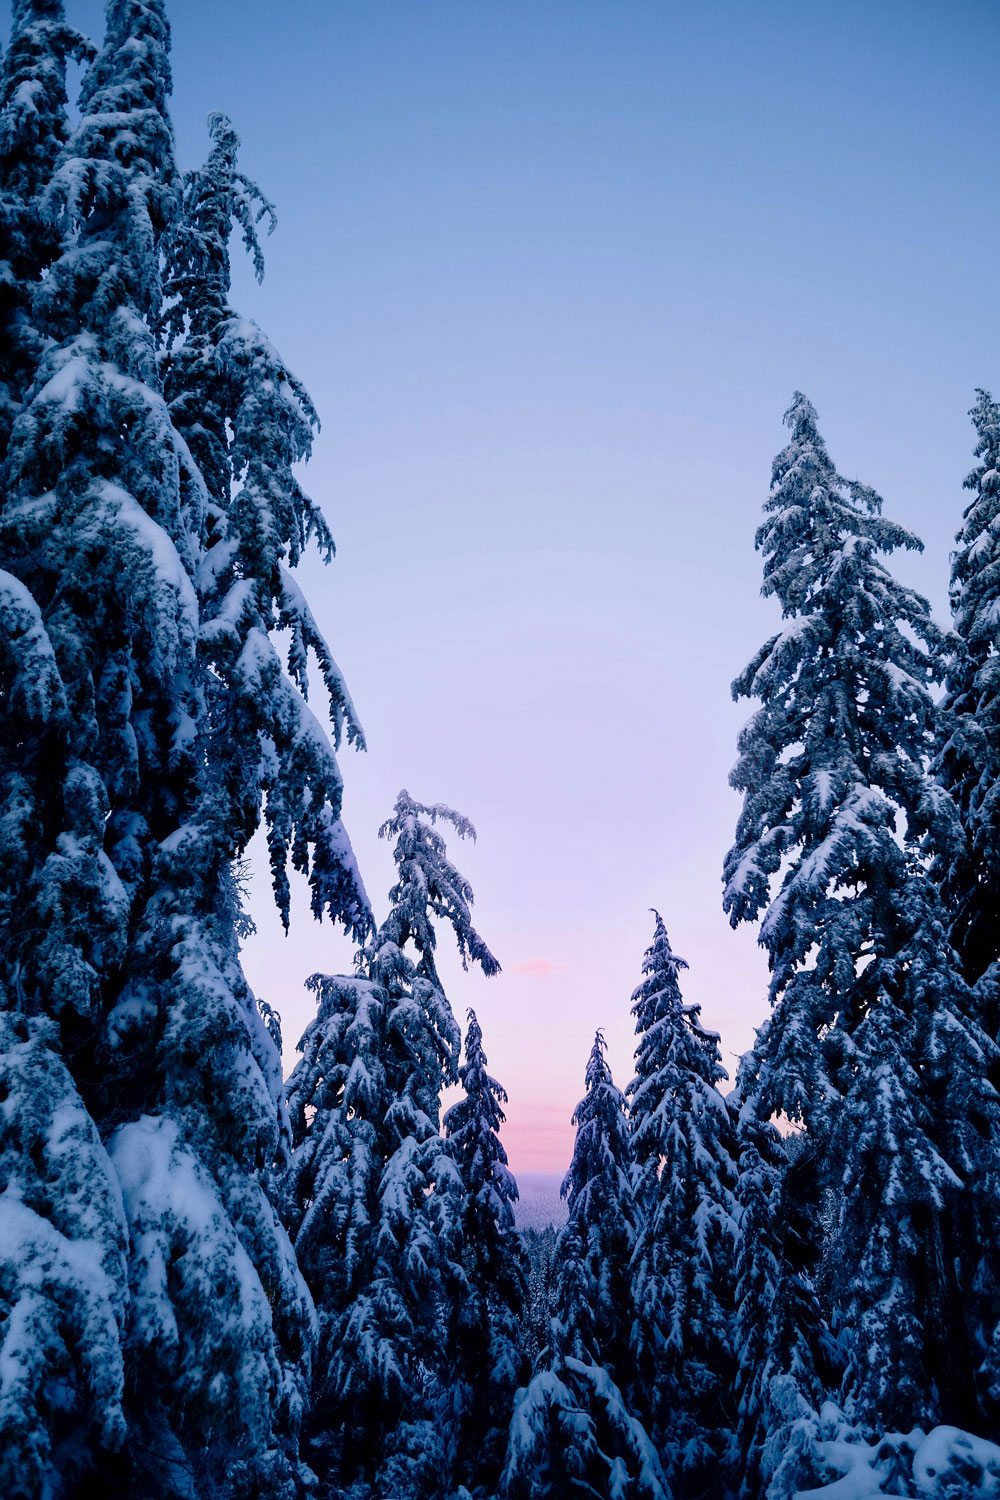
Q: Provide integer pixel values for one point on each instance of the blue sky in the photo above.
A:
(551, 273)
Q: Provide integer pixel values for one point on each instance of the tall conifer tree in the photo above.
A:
(119, 911)
(969, 767)
(872, 1041)
(969, 764)
(63, 1237)
(683, 1265)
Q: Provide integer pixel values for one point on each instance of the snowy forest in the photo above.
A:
(220, 1284)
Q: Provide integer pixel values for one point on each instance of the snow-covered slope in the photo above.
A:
(539, 1203)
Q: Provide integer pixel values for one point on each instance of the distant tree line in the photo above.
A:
(215, 1285)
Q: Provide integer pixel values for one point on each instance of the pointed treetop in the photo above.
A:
(474, 1038)
(247, 204)
(801, 419)
(473, 1074)
(658, 997)
(659, 958)
(480, 1112)
(216, 199)
(813, 512)
(598, 1071)
(473, 1124)
(601, 1149)
(429, 885)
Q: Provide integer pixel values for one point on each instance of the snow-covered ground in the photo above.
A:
(539, 1203)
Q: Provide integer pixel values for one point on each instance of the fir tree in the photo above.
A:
(375, 1198)
(488, 1359)
(573, 1431)
(969, 764)
(872, 1041)
(683, 1265)
(119, 905)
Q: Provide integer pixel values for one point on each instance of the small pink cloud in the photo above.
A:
(539, 968)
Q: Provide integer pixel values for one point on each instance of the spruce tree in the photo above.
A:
(683, 1177)
(488, 1343)
(969, 763)
(872, 1042)
(120, 908)
(375, 1198)
(573, 1430)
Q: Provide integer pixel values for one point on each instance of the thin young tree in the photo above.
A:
(873, 1041)
(488, 1342)
(683, 1265)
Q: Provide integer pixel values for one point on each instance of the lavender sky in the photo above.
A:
(551, 272)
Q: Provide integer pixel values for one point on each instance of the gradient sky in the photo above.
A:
(551, 272)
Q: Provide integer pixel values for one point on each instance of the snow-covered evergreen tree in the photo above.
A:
(540, 1247)
(63, 1281)
(872, 1041)
(969, 764)
(488, 1338)
(785, 1356)
(683, 1265)
(33, 129)
(969, 767)
(573, 1429)
(249, 421)
(375, 1197)
(119, 905)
